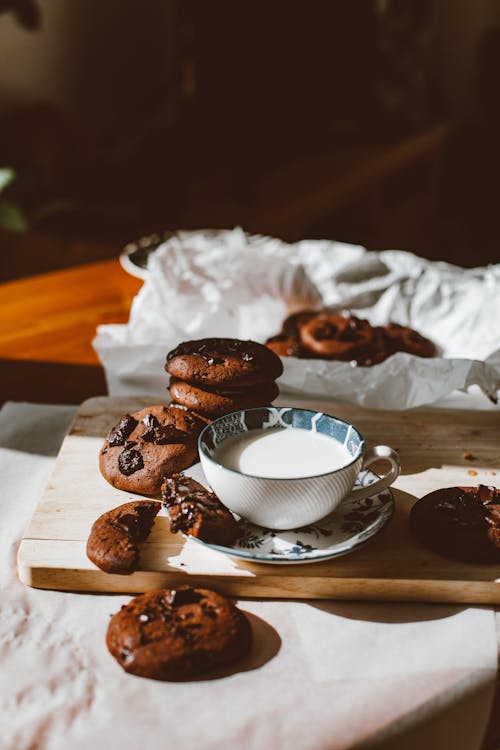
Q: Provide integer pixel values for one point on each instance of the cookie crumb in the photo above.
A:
(472, 473)
(469, 457)
(494, 473)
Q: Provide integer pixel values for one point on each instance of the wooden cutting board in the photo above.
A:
(432, 443)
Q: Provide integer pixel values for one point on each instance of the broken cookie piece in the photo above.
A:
(198, 512)
(113, 544)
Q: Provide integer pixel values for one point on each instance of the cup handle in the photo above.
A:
(377, 453)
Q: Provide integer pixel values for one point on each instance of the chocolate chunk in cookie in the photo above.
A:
(130, 461)
(172, 634)
(196, 511)
(220, 362)
(162, 434)
(215, 403)
(149, 444)
(113, 544)
(460, 522)
(120, 433)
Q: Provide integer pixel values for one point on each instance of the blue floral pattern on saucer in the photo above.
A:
(352, 524)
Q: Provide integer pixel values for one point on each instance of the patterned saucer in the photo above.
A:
(352, 524)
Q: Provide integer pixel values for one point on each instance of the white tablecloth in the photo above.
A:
(322, 675)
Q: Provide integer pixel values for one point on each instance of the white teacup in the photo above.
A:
(295, 500)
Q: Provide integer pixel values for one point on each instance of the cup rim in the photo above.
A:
(361, 452)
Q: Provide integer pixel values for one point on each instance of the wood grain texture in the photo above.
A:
(53, 317)
(432, 445)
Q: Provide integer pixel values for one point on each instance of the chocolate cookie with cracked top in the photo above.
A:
(196, 511)
(171, 634)
(220, 362)
(216, 402)
(145, 446)
(460, 522)
(113, 544)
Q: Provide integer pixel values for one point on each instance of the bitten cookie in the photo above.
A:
(460, 522)
(215, 403)
(219, 362)
(196, 511)
(113, 544)
(145, 446)
(176, 633)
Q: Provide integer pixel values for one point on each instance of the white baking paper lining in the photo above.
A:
(227, 283)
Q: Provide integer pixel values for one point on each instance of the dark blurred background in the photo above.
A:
(369, 121)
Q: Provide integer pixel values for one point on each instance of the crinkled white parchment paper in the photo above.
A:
(228, 283)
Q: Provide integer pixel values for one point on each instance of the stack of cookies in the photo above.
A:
(209, 378)
(216, 376)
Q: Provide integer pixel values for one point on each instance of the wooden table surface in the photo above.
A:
(47, 324)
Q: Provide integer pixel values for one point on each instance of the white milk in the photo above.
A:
(282, 453)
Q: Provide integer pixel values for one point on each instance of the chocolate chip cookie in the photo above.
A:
(460, 522)
(145, 446)
(172, 634)
(220, 362)
(196, 511)
(113, 544)
(216, 402)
